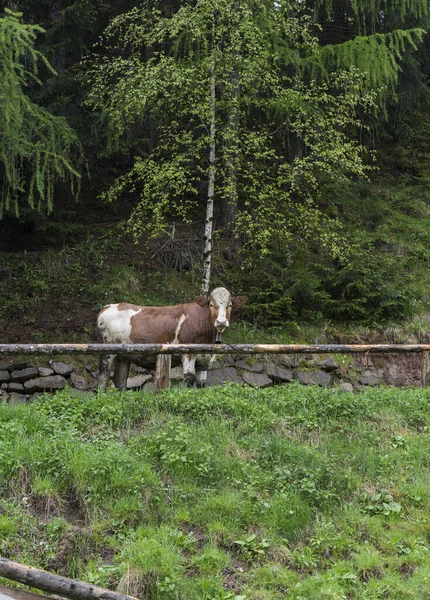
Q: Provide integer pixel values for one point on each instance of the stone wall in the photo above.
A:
(21, 380)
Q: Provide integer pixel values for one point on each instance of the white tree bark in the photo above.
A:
(207, 252)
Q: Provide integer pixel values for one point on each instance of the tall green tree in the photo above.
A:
(37, 148)
(385, 40)
(277, 136)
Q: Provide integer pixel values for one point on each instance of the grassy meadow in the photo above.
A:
(225, 493)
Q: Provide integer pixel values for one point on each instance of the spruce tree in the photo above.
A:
(37, 148)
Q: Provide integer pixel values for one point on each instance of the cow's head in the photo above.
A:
(220, 305)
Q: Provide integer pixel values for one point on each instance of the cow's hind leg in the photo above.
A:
(120, 376)
(105, 365)
(201, 377)
(202, 364)
(189, 367)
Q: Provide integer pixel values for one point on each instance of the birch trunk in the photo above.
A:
(207, 252)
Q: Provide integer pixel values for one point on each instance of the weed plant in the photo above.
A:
(226, 493)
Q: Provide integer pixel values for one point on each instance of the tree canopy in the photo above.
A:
(279, 134)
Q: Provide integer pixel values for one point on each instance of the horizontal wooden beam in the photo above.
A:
(56, 584)
(19, 594)
(209, 348)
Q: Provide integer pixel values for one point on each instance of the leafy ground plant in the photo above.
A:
(223, 494)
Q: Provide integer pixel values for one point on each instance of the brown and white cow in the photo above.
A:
(194, 323)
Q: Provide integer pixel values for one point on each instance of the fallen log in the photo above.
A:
(56, 584)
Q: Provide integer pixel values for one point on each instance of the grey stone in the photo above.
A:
(3, 386)
(257, 367)
(259, 379)
(4, 376)
(8, 365)
(61, 368)
(149, 387)
(176, 373)
(15, 387)
(228, 360)
(224, 375)
(289, 361)
(217, 364)
(15, 398)
(40, 384)
(346, 387)
(45, 371)
(278, 373)
(369, 378)
(89, 370)
(313, 378)
(137, 381)
(79, 382)
(24, 374)
(4, 395)
(329, 364)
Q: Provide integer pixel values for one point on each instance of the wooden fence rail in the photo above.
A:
(210, 348)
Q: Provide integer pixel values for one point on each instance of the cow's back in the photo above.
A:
(129, 323)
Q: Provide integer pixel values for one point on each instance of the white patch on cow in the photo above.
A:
(178, 328)
(222, 298)
(115, 325)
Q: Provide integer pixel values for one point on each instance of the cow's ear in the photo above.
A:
(239, 302)
(202, 300)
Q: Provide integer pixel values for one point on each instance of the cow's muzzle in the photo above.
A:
(221, 323)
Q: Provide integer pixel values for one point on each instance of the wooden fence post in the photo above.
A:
(425, 369)
(162, 372)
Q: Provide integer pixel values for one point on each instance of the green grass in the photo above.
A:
(293, 493)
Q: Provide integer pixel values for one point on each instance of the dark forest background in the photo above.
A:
(322, 168)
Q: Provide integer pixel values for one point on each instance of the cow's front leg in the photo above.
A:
(189, 367)
(105, 365)
(202, 364)
(120, 376)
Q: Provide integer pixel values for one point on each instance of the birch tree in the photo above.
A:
(227, 76)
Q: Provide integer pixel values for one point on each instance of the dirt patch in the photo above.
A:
(50, 321)
(75, 537)
(45, 508)
(235, 576)
(407, 570)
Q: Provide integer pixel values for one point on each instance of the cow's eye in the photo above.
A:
(211, 305)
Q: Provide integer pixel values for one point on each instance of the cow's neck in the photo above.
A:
(210, 331)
